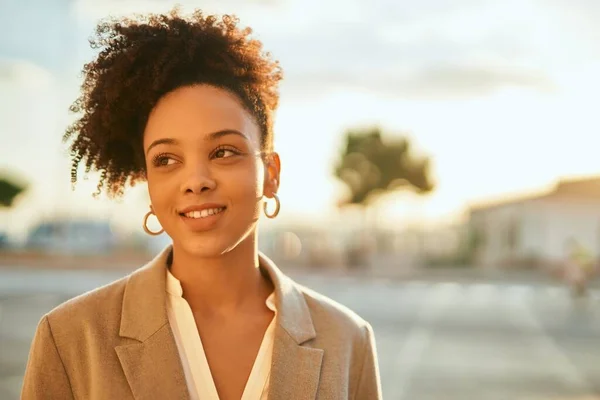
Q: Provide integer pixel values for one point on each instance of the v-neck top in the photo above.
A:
(197, 372)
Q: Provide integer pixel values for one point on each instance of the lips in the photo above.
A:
(202, 217)
(204, 213)
(201, 207)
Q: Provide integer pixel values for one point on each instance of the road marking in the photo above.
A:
(480, 295)
(554, 292)
(418, 338)
(564, 368)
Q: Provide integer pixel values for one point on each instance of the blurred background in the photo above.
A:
(440, 177)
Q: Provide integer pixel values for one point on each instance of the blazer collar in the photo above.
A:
(293, 313)
(144, 319)
(145, 304)
(145, 301)
(296, 365)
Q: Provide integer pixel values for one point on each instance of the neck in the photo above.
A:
(223, 285)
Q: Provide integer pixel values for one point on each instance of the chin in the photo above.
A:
(204, 247)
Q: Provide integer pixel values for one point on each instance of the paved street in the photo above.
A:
(436, 339)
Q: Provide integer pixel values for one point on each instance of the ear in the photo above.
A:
(272, 174)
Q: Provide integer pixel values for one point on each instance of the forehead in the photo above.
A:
(193, 112)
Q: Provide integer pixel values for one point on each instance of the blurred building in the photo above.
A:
(537, 230)
(295, 245)
(72, 237)
(4, 240)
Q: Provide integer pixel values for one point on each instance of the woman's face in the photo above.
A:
(205, 173)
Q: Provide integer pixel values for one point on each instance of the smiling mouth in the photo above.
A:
(204, 213)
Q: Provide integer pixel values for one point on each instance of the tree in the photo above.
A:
(371, 167)
(9, 191)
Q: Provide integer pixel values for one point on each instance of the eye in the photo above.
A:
(225, 153)
(162, 160)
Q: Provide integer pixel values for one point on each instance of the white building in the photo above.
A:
(537, 230)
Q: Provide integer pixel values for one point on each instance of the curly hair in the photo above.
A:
(145, 57)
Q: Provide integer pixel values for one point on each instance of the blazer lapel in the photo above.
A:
(153, 369)
(295, 369)
(295, 365)
(151, 361)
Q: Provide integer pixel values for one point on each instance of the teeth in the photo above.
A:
(204, 213)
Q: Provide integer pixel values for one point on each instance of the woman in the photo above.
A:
(187, 105)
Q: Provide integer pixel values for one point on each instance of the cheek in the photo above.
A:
(160, 189)
(247, 183)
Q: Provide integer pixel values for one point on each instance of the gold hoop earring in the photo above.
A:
(277, 207)
(145, 224)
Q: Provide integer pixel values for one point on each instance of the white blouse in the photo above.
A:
(195, 365)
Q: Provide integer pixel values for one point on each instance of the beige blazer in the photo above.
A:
(115, 342)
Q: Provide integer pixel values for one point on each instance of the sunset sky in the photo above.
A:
(502, 95)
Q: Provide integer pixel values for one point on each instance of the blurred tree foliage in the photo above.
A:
(370, 166)
(9, 191)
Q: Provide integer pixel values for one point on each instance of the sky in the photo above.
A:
(501, 95)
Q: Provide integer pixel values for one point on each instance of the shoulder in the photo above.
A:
(349, 363)
(302, 306)
(96, 308)
(330, 316)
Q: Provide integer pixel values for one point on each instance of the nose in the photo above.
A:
(199, 179)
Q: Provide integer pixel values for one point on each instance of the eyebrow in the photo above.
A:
(211, 137)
